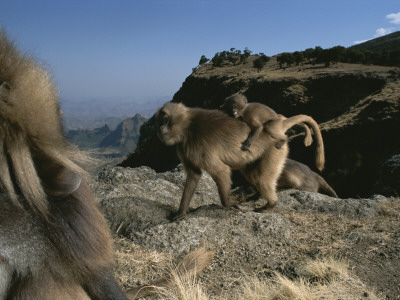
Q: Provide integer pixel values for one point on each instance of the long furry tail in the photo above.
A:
(192, 264)
(326, 187)
(320, 152)
(308, 138)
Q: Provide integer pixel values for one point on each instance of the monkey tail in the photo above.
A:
(308, 138)
(192, 264)
(320, 153)
(326, 187)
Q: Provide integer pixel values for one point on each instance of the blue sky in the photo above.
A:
(143, 50)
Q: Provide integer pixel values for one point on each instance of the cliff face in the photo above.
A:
(126, 135)
(357, 107)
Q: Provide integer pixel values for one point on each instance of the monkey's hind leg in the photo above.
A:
(264, 174)
(274, 129)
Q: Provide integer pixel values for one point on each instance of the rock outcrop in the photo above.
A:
(138, 202)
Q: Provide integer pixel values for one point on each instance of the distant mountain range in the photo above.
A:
(97, 113)
(88, 138)
(117, 142)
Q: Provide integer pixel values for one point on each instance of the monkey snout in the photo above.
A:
(163, 133)
(163, 130)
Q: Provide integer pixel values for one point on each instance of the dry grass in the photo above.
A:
(133, 262)
(321, 279)
(184, 288)
(324, 278)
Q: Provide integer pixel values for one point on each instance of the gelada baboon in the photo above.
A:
(54, 242)
(210, 140)
(258, 116)
(296, 175)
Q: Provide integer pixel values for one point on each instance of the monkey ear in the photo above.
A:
(5, 85)
(58, 181)
(64, 183)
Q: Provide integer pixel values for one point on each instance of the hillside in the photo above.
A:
(388, 42)
(357, 107)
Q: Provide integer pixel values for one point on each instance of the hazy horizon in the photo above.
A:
(143, 50)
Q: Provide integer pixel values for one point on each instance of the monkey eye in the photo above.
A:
(165, 120)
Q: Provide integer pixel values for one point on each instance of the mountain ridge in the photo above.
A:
(96, 113)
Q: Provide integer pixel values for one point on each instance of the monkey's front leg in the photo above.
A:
(192, 179)
(254, 133)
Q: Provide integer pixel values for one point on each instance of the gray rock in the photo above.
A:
(217, 226)
(388, 179)
(138, 204)
(294, 200)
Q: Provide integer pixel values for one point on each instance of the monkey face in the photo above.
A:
(235, 111)
(164, 122)
(234, 104)
(171, 123)
(231, 109)
(228, 108)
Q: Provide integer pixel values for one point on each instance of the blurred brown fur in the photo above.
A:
(54, 241)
